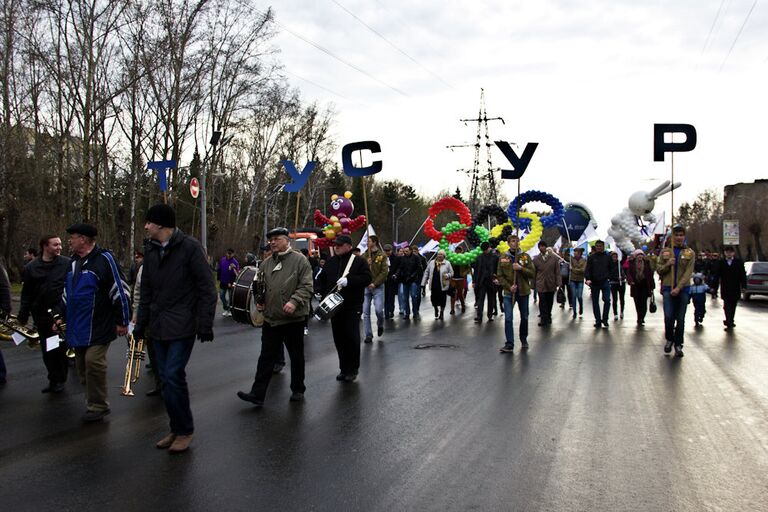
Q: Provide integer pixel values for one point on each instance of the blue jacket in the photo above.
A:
(96, 299)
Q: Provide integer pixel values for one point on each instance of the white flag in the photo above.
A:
(431, 246)
(589, 235)
(363, 245)
(660, 227)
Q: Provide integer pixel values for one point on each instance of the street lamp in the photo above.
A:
(397, 224)
(214, 142)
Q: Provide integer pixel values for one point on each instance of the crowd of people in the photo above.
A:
(170, 299)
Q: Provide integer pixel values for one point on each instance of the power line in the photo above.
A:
(390, 43)
(712, 28)
(340, 59)
(746, 19)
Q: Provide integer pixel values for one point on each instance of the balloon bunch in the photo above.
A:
(458, 230)
(553, 219)
(340, 220)
(527, 243)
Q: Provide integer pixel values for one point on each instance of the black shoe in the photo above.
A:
(574, 315)
(350, 377)
(380, 331)
(478, 320)
(416, 315)
(490, 319)
(668, 347)
(406, 317)
(368, 339)
(678, 351)
(249, 397)
(153, 392)
(598, 325)
(278, 367)
(93, 416)
(605, 324)
(524, 345)
(53, 387)
(340, 377)
(507, 349)
(452, 312)
(297, 397)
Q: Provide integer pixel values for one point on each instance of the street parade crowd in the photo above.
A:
(169, 300)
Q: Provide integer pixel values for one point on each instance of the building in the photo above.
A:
(748, 203)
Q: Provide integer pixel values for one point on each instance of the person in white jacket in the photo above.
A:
(437, 277)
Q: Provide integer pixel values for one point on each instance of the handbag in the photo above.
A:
(652, 307)
(560, 296)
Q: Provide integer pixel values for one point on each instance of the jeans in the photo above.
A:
(409, 293)
(577, 290)
(674, 315)
(509, 328)
(224, 294)
(171, 358)
(377, 296)
(596, 288)
(699, 306)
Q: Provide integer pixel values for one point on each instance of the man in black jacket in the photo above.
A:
(43, 283)
(732, 276)
(597, 277)
(409, 275)
(346, 323)
(178, 303)
(483, 277)
(391, 285)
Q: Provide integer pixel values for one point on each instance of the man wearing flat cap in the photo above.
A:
(97, 309)
(177, 304)
(349, 274)
(287, 277)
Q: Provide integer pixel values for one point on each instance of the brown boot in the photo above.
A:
(180, 444)
(166, 441)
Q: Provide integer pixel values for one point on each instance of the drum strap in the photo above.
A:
(346, 269)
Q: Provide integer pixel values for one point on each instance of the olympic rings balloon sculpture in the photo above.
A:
(553, 219)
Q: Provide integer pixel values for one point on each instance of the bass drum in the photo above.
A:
(243, 307)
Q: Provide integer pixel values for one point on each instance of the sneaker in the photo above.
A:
(668, 347)
(297, 397)
(93, 416)
(368, 339)
(605, 324)
(507, 349)
(380, 331)
(678, 351)
(250, 397)
(165, 442)
(306, 331)
(181, 443)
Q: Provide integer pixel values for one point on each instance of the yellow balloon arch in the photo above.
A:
(527, 243)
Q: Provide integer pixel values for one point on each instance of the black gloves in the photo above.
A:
(205, 336)
(138, 333)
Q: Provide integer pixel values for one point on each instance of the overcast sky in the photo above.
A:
(585, 79)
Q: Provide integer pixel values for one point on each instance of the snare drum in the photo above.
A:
(243, 306)
(329, 306)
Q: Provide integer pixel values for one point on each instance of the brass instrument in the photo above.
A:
(12, 324)
(135, 356)
(62, 331)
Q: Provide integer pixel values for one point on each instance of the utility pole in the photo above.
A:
(203, 192)
(490, 177)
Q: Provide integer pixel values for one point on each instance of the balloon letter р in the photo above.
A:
(299, 178)
(660, 147)
(349, 167)
(519, 163)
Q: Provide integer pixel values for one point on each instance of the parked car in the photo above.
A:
(757, 278)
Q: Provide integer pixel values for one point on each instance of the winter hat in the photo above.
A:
(162, 215)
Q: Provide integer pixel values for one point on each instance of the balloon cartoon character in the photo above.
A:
(339, 221)
(626, 225)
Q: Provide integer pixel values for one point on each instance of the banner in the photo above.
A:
(730, 232)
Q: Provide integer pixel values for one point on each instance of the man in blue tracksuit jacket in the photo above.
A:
(97, 311)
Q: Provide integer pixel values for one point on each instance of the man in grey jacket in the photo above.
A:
(287, 276)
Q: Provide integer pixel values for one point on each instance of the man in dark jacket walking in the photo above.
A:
(483, 276)
(5, 310)
(351, 285)
(732, 276)
(43, 283)
(97, 309)
(391, 285)
(597, 277)
(409, 274)
(178, 303)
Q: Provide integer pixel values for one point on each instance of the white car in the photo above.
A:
(757, 278)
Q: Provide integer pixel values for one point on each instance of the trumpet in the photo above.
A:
(135, 356)
(62, 330)
(14, 325)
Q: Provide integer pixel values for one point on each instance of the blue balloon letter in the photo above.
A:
(346, 158)
(299, 178)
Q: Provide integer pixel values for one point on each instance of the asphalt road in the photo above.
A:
(585, 420)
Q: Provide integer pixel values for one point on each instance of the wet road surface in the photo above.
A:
(585, 420)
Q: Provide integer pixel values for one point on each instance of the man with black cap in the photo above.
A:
(177, 304)
(597, 275)
(675, 267)
(287, 277)
(97, 309)
(483, 277)
(733, 277)
(349, 274)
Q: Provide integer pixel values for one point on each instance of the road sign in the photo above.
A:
(194, 188)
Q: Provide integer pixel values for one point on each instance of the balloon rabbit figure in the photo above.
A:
(626, 226)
